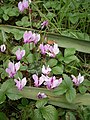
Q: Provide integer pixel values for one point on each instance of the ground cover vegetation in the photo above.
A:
(45, 60)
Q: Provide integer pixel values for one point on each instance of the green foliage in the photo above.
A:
(41, 103)
(66, 88)
(2, 96)
(13, 94)
(52, 62)
(70, 116)
(24, 22)
(69, 28)
(70, 94)
(3, 116)
(37, 115)
(57, 70)
(45, 112)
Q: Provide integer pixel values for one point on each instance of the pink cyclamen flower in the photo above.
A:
(44, 24)
(12, 69)
(2, 48)
(19, 54)
(37, 81)
(46, 70)
(77, 80)
(44, 48)
(20, 83)
(41, 95)
(23, 5)
(53, 50)
(31, 37)
(52, 82)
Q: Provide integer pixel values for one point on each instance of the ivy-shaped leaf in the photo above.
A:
(14, 94)
(49, 113)
(7, 85)
(37, 115)
(70, 95)
(41, 103)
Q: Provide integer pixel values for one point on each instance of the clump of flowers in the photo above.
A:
(77, 80)
(12, 69)
(31, 37)
(23, 5)
(51, 50)
(49, 82)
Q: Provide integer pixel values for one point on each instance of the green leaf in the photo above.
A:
(67, 81)
(7, 85)
(19, 23)
(41, 103)
(73, 18)
(49, 113)
(70, 116)
(23, 67)
(86, 83)
(14, 94)
(82, 89)
(17, 34)
(24, 22)
(3, 116)
(1, 70)
(19, 75)
(5, 17)
(30, 58)
(60, 57)
(52, 62)
(69, 52)
(26, 48)
(37, 115)
(2, 96)
(60, 90)
(69, 59)
(3, 74)
(24, 101)
(70, 94)
(57, 70)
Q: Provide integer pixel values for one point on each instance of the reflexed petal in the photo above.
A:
(56, 49)
(23, 82)
(11, 67)
(25, 4)
(36, 81)
(18, 84)
(17, 66)
(23, 53)
(20, 6)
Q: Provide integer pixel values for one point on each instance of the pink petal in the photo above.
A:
(23, 82)
(20, 6)
(17, 66)
(25, 4)
(36, 81)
